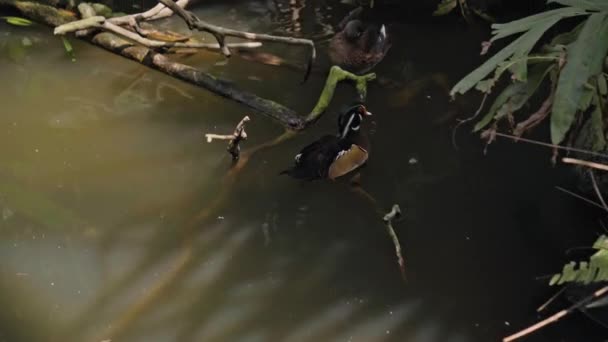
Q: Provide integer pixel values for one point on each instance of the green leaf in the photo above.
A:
(596, 123)
(517, 26)
(519, 69)
(602, 86)
(445, 7)
(515, 95)
(567, 38)
(69, 50)
(591, 135)
(17, 21)
(585, 59)
(521, 46)
(590, 5)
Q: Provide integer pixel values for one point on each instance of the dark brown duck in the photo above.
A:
(360, 44)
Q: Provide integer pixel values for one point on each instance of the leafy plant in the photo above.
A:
(447, 6)
(573, 61)
(595, 270)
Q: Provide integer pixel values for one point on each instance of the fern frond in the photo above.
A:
(595, 270)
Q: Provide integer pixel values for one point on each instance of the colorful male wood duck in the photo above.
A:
(333, 156)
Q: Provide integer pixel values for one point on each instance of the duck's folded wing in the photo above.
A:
(347, 161)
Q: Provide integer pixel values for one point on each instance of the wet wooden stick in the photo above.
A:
(235, 138)
(554, 318)
(388, 220)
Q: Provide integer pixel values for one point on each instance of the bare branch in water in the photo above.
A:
(235, 138)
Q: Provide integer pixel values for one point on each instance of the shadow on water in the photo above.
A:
(112, 228)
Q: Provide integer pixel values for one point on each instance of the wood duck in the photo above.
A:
(360, 44)
(333, 156)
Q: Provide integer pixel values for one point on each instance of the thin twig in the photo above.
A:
(597, 190)
(462, 122)
(554, 318)
(593, 165)
(534, 119)
(550, 300)
(388, 220)
(579, 197)
(540, 143)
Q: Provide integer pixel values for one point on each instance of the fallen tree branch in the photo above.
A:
(86, 23)
(100, 22)
(286, 116)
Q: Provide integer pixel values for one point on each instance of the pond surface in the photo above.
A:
(118, 222)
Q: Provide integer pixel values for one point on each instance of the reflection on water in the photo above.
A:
(111, 229)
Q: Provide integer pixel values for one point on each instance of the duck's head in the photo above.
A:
(368, 37)
(349, 121)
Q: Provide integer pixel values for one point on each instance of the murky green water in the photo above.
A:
(117, 224)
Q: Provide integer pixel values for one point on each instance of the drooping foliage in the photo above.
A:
(595, 270)
(572, 62)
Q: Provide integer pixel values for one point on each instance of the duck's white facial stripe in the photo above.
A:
(346, 128)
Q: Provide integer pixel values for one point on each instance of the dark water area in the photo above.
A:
(111, 227)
